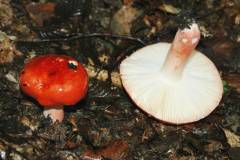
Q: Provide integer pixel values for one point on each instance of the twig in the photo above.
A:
(80, 35)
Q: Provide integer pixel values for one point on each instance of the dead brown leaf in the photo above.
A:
(116, 151)
(39, 12)
(7, 48)
(233, 80)
(232, 139)
(123, 19)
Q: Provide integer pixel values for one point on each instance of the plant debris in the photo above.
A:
(107, 124)
(7, 48)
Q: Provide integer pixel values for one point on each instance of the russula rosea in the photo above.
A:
(173, 82)
(54, 81)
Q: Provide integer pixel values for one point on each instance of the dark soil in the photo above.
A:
(107, 124)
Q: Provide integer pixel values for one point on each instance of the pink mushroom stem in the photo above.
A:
(56, 113)
(181, 49)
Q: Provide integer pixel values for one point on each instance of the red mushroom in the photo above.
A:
(173, 82)
(54, 81)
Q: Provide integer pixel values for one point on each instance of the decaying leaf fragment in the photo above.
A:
(232, 139)
(7, 48)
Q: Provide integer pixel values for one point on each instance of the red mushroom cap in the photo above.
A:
(54, 80)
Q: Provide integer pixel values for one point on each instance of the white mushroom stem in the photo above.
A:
(181, 49)
(56, 113)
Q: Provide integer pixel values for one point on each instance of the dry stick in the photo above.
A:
(80, 35)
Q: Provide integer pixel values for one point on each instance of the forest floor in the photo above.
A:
(107, 124)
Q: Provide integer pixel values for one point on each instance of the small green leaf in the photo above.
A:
(225, 86)
(2, 36)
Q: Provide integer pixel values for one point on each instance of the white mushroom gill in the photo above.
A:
(170, 85)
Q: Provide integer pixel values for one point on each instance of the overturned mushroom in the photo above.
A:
(173, 82)
(54, 81)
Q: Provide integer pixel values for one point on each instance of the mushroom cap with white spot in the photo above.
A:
(194, 96)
